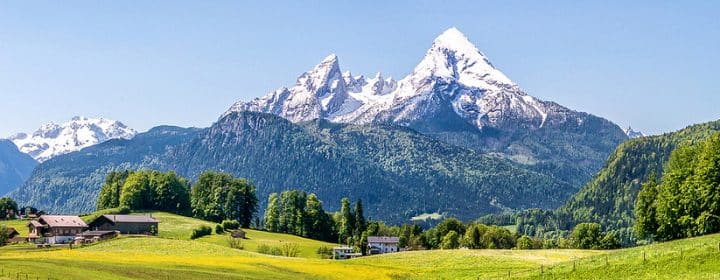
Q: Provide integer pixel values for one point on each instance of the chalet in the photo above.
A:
(126, 224)
(52, 229)
(344, 252)
(382, 244)
(13, 235)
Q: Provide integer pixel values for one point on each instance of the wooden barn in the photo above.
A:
(126, 224)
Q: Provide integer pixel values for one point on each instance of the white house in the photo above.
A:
(382, 244)
(344, 252)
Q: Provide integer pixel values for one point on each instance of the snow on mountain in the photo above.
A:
(56, 139)
(633, 133)
(453, 76)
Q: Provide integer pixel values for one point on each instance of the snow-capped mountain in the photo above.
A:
(56, 139)
(633, 133)
(453, 77)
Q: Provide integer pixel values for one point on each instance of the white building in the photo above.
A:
(382, 244)
(344, 252)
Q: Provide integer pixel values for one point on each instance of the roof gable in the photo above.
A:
(383, 239)
(130, 219)
(62, 221)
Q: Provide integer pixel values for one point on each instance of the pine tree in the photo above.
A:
(347, 225)
(360, 224)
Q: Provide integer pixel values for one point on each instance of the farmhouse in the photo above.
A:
(13, 236)
(126, 224)
(382, 244)
(344, 252)
(53, 229)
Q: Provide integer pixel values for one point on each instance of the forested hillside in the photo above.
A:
(609, 198)
(397, 172)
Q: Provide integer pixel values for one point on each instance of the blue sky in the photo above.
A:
(653, 65)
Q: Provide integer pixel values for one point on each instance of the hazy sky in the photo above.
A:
(653, 65)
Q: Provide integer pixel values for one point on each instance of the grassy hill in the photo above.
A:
(173, 256)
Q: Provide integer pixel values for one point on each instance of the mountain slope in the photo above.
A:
(71, 182)
(456, 95)
(610, 197)
(15, 167)
(53, 139)
(397, 172)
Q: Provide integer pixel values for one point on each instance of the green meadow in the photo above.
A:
(172, 255)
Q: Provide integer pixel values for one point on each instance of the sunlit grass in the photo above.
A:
(173, 256)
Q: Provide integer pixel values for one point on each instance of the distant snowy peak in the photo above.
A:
(633, 133)
(53, 139)
(454, 79)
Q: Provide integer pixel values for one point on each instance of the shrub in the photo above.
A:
(229, 225)
(290, 249)
(325, 252)
(235, 243)
(524, 243)
(269, 250)
(201, 231)
(219, 229)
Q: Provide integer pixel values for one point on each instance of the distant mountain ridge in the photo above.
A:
(397, 172)
(15, 166)
(53, 139)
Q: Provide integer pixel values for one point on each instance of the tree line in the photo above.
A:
(686, 202)
(215, 196)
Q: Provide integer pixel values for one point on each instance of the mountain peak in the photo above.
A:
(454, 39)
(452, 57)
(631, 133)
(53, 139)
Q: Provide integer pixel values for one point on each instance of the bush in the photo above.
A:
(219, 229)
(524, 243)
(290, 249)
(229, 225)
(235, 243)
(325, 252)
(200, 232)
(269, 250)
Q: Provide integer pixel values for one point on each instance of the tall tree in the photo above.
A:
(8, 208)
(272, 213)
(172, 192)
(645, 209)
(218, 196)
(347, 223)
(109, 196)
(360, 224)
(136, 192)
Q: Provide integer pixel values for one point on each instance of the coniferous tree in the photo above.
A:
(359, 222)
(347, 223)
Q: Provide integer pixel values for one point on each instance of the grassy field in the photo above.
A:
(173, 256)
(178, 227)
